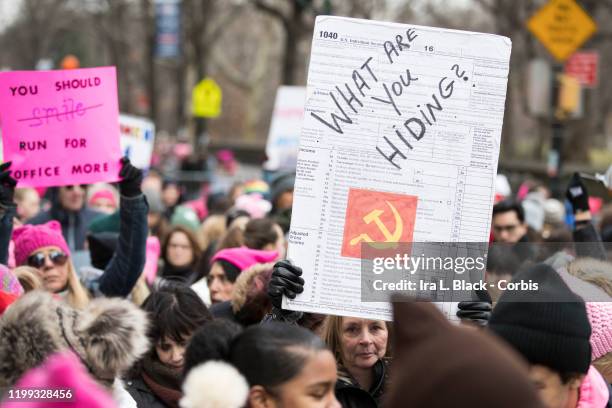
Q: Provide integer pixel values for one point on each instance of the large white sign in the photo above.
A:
(400, 143)
(137, 139)
(285, 128)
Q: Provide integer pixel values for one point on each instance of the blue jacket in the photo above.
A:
(124, 269)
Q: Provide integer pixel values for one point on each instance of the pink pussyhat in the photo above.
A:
(61, 371)
(244, 257)
(29, 238)
(600, 317)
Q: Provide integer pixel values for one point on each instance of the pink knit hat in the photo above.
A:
(107, 194)
(29, 238)
(62, 371)
(244, 257)
(600, 316)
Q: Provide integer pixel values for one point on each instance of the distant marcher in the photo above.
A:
(102, 197)
(28, 203)
(180, 253)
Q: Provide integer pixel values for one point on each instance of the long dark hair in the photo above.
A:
(175, 311)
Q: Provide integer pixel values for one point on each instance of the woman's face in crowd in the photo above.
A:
(552, 391)
(313, 387)
(29, 206)
(171, 195)
(179, 251)
(363, 342)
(72, 198)
(171, 353)
(53, 270)
(220, 287)
(103, 205)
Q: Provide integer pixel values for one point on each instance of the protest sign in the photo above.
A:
(285, 128)
(60, 127)
(137, 139)
(400, 142)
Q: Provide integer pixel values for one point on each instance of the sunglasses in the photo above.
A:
(57, 258)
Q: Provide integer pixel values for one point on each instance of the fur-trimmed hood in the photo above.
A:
(108, 336)
(250, 301)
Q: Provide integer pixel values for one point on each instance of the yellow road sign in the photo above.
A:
(562, 26)
(206, 99)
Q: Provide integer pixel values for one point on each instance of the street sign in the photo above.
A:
(584, 66)
(562, 26)
(206, 99)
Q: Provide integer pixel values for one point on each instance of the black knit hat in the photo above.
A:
(548, 326)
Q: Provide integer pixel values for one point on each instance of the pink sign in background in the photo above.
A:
(60, 127)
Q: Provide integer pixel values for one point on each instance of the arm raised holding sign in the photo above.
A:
(8, 209)
(127, 264)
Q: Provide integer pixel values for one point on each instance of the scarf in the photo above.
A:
(186, 274)
(163, 381)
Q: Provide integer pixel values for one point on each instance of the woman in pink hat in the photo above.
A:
(227, 264)
(44, 248)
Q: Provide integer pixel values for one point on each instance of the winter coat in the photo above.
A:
(152, 384)
(74, 224)
(223, 310)
(142, 394)
(126, 266)
(351, 395)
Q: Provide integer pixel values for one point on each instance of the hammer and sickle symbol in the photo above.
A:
(374, 216)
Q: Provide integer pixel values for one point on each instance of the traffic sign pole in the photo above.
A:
(555, 155)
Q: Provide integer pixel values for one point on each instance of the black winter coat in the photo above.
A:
(142, 394)
(350, 395)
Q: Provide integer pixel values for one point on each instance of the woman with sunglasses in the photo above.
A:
(44, 247)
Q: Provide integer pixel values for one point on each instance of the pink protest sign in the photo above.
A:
(60, 127)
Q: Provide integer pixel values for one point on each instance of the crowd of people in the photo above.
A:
(130, 295)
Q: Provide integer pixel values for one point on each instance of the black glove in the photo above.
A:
(7, 185)
(477, 312)
(131, 179)
(286, 281)
(577, 194)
